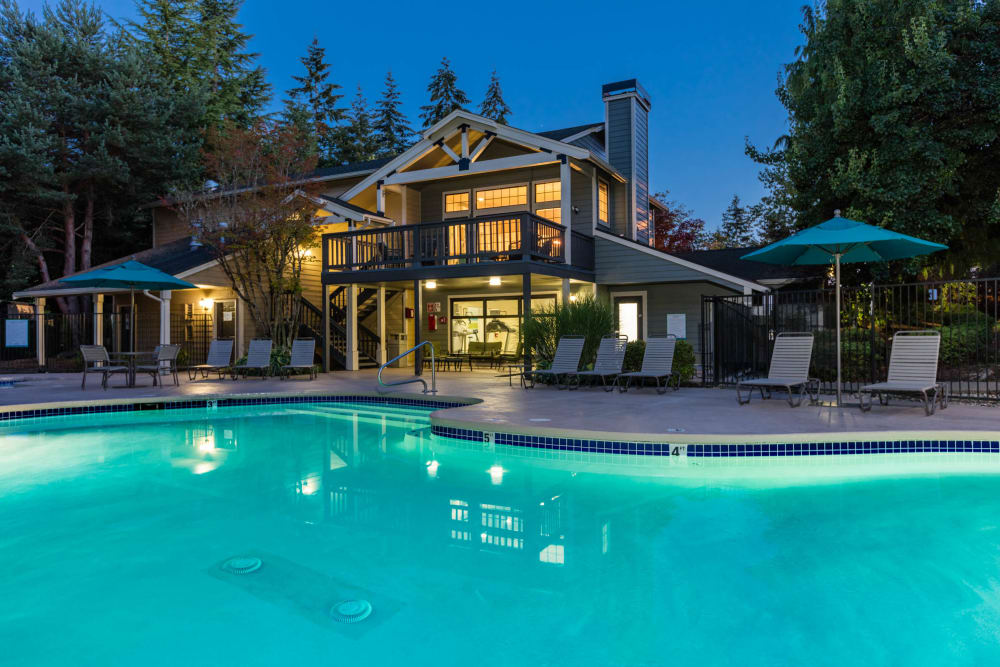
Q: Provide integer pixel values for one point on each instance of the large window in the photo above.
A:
(553, 214)
(491, 325)
(548, 191)
(507, 197)
(456, 204)
(602, 202)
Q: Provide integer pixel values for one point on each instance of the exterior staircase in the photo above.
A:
(368, 340)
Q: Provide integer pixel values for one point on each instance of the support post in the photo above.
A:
(326, 328)
(165, 298)
(566, 205)
(379, 198)
(381, 356)
(526, 309)
(98, 319)
(40, 331)
(837, 277)
(418, 361)
(351, 361)
(241, 327)
(565, 290)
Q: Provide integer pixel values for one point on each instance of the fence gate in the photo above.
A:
(738, 332)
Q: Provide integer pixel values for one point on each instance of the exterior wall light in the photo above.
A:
(206, 303)
(430, 284)
(495, 281)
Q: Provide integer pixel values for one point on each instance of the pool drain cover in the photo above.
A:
(242, 565)
(351, 611)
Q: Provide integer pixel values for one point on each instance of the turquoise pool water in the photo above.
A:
(113, 530)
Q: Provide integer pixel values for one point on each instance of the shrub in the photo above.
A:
(963, 344)
(684, 359)
(633, 355)
(588, 317)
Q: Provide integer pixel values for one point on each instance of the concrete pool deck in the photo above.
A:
(691, 414)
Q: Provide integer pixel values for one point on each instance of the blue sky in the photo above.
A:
(710, 68)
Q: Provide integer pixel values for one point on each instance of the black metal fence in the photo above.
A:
(738, 332)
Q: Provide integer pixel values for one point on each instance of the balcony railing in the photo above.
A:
(498, 238)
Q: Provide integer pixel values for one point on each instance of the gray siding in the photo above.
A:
(589, 142)
(431, 200)
(582, 197)
(620, 135)
(618, 264)
(412, 205)
(641, 176)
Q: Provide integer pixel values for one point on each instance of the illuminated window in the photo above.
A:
(553, 214)
(547, 191)
(602, 202)
(515, 195)
(554, 554)
(456, 203)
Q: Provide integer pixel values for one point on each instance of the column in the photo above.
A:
(418, 356)
(351, 353)
(327, 289)
(526, 310)
(241, 330)
(98, 319)
(382, 355)
(40, 331)
(566, 205)
(565, 290)
(165, 297)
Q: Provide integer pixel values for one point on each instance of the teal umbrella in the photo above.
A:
(839, 241)
(132, 275)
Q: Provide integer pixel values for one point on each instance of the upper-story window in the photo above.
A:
(554, 213)
(547, 191)
(456, 204)
(506, 197)
(602, 202)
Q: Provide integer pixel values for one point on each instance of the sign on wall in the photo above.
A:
(16, 333)
(677, 325)
(434, 307)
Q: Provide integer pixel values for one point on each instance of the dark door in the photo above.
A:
(628, 316)
(225, 319)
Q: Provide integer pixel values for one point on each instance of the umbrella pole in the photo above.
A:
(837, 278)
(131, 316)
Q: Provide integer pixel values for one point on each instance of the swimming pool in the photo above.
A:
(115, 528)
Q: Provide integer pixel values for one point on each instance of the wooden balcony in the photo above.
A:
(491, 240)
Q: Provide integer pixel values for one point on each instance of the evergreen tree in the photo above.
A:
(394, 131)
(739, 226)
(359, 141)
(493, 105)
(316, 98)
(445, 95)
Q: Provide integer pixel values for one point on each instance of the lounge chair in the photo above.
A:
(258, 358)
(913, 366)
(564, 365)
(164, 359)
(657, 364)
(610, 357)
(96, 360)
(303, 355)
(789, 369)
(220, 358)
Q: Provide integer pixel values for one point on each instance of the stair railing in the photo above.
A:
(432, 390)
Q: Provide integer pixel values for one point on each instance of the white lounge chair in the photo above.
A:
(96, 360)
(610, 357)
(303, 355)
(657, 364)
(913, 364)
(220, 358)
(164, 359)
(564, 364)
(789, 369)
(258, 358)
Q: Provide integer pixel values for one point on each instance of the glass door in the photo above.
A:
(628, 316)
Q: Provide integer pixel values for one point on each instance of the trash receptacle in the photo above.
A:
(397, 345)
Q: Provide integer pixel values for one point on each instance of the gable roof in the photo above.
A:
(729, 260)
(566, 132)
(359, 168)
(176, 258)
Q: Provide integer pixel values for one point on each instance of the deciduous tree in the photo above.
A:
(676, 229)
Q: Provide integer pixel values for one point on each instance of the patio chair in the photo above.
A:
(657, 364)
(913, 364)
(164, 359)
(789, 369)
(96, 360)
(258, 358)
(220, 356)
(610, 357)
(303, 356)
(564, 364)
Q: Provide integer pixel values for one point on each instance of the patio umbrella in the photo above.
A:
(840, 241)
(132, 275)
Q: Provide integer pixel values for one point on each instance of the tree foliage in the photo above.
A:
(359, 140)
(739, 228)
(493, 105)
(390, 124)
(312, 106)
(445, 95)
(259, 235)
(89, 132)
(676, 229)
(894, 112)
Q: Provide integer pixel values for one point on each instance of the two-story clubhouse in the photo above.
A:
(455, 239)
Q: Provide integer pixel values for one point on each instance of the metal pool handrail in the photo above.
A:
(432, 390)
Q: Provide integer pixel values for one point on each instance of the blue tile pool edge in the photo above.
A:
(641, 448)
(224, 402)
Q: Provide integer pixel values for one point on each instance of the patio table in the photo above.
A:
(130, 359)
